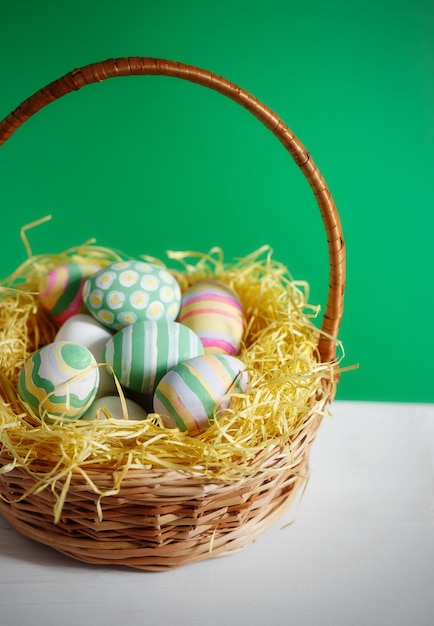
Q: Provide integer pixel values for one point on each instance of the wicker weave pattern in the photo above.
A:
(161, 518)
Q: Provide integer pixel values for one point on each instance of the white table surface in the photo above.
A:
(361, 549)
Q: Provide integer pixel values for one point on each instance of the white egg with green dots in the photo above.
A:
(127, 292)
(59, 381)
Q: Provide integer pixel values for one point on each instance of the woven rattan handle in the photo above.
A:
(111, 68)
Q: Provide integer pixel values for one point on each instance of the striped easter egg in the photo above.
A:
(59, 380)
(126, 292)
(61, 289)
(190, 395)
(215, 313)
(142, 353)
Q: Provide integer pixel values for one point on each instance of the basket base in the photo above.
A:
(156, 528)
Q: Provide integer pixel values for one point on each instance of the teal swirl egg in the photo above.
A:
(60, 380)
(127, 292)
(142, 353)
(196, 391)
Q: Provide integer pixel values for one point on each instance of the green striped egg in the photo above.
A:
(127, 292)
(60, 380)
(194, 392)
(142, 353)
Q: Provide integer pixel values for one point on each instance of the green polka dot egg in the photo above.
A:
(127, 292)
(60, 380)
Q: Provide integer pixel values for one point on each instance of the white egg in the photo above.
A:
(85, 329)
(114, 406)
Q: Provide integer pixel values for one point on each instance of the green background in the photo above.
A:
(149, 164)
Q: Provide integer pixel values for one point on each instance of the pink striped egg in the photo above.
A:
(214, 312)
(61, 289)
(198, 390)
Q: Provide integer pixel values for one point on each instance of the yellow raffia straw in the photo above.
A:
(27, 227)
(279, 349)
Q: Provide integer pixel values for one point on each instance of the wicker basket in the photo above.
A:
(161, 518)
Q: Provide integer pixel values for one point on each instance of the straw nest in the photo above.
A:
(286, 392)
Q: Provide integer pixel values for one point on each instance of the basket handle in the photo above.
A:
(97, 72)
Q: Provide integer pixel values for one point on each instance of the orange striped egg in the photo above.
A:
(215, 313)
(61, 289)
(196, 391)
(59, 380)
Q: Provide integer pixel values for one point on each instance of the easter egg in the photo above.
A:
(111, 406)
(190, 395)
(215, 313)
(59, 380)
(85, 329)
(61, 289)
(142, 353)
(127, 292)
